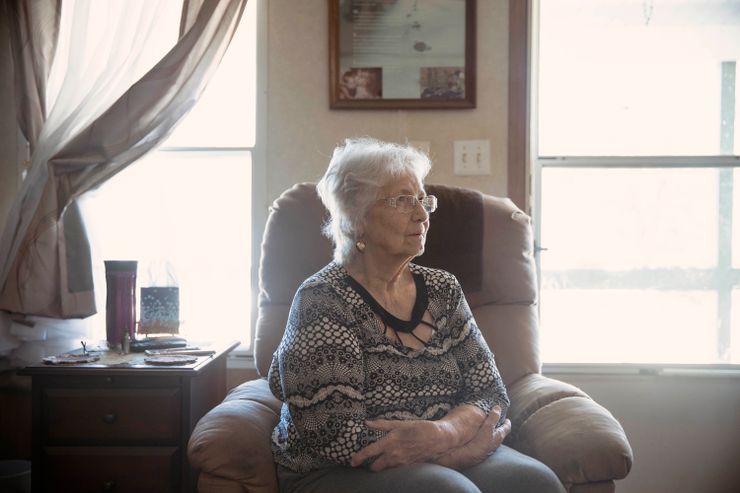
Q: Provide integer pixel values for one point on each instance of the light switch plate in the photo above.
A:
(472, 157)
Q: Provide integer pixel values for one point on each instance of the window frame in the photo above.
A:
(260, 206)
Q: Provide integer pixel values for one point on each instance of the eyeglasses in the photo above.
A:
(406, 204)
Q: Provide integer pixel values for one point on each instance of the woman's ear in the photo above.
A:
(360, 231)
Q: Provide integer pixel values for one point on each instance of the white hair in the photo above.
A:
(358, 169)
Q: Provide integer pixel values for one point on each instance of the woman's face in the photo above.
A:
(388, 231)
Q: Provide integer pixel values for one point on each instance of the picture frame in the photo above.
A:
(402, 54)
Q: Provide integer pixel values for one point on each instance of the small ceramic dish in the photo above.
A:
(70, 359)
(170, 359)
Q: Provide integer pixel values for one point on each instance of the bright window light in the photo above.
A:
(632, 78)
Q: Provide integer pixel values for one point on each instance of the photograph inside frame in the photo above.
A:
(401, 49)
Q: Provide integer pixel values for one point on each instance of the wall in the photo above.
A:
(302, 131)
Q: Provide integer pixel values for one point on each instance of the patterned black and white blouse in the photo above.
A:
(334, 369)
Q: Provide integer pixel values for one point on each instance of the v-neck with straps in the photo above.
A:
(389, 320)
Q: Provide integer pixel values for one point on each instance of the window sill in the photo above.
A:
(714, 371)
(241, 358)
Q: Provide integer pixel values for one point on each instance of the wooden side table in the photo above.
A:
(120, 426)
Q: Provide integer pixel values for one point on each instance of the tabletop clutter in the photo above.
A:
(159, 322)
(160, 305)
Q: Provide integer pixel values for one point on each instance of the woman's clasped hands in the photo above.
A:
(417, 441)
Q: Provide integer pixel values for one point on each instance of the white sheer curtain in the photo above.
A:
(104, 47)
(120, 82)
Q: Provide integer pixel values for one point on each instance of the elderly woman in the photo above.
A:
(386, 381)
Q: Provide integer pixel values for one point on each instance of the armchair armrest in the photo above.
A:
(230, 445)
(563, 427)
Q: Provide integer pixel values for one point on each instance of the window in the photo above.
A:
(189, 204)
(635, 200)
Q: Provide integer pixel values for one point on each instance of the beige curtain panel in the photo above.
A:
(99, 124)
(34, 28)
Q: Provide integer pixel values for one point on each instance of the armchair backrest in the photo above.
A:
(485, 241)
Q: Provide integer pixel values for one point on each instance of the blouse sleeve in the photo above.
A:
(482, 384)
(318, 372)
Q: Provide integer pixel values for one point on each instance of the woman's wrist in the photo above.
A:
(461, 425)
(487, 440)
(448, 436)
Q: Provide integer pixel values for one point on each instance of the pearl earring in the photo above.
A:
(360, 246)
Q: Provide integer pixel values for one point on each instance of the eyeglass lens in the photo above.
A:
(407, 203)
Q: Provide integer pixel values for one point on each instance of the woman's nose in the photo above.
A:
(420, 213)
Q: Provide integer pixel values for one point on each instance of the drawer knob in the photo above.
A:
(109, 486)
(109, 418)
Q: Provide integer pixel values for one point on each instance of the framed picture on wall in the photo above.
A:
(401, 54)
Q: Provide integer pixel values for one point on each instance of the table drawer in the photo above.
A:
(116, 469)
(109, 381)
(111, 416)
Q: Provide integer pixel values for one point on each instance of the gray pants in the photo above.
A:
(505, 471)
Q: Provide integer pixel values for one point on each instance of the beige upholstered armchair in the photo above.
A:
(487, 243)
